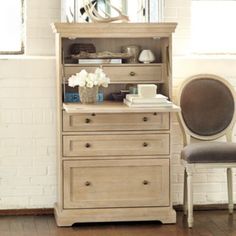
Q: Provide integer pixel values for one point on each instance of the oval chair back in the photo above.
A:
(207, 106)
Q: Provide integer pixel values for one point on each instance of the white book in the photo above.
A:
(99, 61)
(136, 99)
(163, 104)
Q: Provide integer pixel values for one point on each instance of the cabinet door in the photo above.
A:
(116, 144)
(110, 122)
(116, 183)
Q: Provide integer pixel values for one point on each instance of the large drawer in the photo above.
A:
(118, 74)
(115, 183)
(110, 122)
(115, 145)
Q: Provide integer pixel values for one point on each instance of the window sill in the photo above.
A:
(23, 57)
(206, 56)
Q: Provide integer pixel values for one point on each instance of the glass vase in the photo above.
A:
(88, 95)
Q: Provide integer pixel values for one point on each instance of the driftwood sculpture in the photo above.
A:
(96, 17)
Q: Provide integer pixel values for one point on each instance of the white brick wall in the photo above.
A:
(27, 133)
(27, 117)
(39, 16)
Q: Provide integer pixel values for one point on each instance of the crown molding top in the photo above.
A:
(114, 30)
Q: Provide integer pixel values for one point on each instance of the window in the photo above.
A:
(213, 26)
(137, 10)
(11, 27)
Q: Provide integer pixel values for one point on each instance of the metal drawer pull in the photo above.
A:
(87, 120)
(87, 183)
(145, 144)
(132, 73)
(145, 182)
(145, 119)
(87, 145)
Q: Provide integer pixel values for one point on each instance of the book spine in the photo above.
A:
(143, 101)
(99, 61)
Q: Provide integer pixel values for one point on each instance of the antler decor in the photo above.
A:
(97, 18)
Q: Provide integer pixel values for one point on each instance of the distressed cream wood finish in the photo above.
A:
(114, 107)
(113, 160)
(98, 122)
(115, 183)
(143, 74)
(122, 73)
(121, 30)
(116, 145)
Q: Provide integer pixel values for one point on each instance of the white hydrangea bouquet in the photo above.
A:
(88, 84)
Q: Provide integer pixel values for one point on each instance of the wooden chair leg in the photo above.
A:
(185, 206)
(190, 198)
(230, 190)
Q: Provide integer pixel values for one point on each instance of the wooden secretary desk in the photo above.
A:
(114, 161)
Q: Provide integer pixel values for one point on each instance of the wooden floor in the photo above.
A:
(206, 223)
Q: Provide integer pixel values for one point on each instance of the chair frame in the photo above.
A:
(189, 168)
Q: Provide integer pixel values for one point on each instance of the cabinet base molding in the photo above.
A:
(67, 217)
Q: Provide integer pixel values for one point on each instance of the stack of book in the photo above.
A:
(134, 100)
(100, 61)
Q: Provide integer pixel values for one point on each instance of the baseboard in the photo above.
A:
(21, 212)
(206, 207)
(49, 211)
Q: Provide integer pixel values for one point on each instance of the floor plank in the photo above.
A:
(206, 223)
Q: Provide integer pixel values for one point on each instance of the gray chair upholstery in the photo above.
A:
(207, 106)
(207, 113)
(209, 152)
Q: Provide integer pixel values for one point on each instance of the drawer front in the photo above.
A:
(113, 183)
(110, 122)
(115, 145)
(135, 73)
(118, 74)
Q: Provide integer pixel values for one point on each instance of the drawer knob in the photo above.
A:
(87, 120)
(145, 144)
(87, 183)
(145, 119)
(87, 145)
(132, 73)
(145, 182)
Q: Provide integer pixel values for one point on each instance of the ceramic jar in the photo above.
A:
(146, 56)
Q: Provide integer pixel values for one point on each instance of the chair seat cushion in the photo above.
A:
(209, 152)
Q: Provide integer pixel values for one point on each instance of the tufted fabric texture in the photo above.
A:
(209, 152)
(207, 106)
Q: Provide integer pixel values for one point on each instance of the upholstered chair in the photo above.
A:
(207, 114)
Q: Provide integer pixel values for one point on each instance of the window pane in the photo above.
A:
(11, 25)
(213, 26)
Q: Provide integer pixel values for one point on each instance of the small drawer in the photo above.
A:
(115, 183)
(115, 145)
(112, 122)
(147, 73)
(119, 74)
